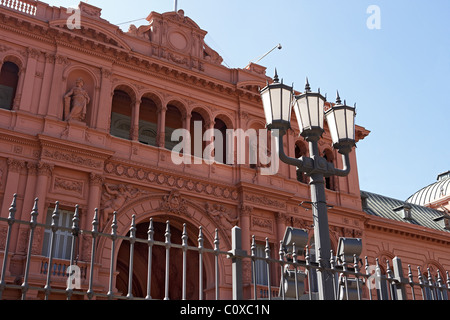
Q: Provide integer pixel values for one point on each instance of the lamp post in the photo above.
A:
(278, 100)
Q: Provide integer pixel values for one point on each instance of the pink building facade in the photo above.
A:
(86, 118)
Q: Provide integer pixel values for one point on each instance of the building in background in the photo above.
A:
(86, 118)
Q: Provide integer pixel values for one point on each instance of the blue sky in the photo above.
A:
(399, 75)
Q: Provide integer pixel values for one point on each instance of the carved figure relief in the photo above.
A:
(221, 215)
(115, 197)
(75, 102)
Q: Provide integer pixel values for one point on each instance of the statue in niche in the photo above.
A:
(75, 102)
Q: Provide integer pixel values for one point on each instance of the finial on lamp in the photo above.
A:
(338, 98)
(307, 86)
(275, 78)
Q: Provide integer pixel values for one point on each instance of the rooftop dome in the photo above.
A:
(435, 191)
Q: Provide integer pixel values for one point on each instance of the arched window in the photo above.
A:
(148, 122)
(174, 121)
(121, 114)
(9, 78)
(221, 151)
(197, 120)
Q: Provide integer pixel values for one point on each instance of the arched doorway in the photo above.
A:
(140, 264)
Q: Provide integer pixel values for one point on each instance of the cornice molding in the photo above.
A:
(406, 230)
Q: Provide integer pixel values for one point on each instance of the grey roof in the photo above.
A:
(432, 192)
(382, 206)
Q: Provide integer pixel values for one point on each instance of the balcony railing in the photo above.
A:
(24, 6)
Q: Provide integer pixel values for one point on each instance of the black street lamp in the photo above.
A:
(278, 100)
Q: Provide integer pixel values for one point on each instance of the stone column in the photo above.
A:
(56, 103)
(46, 84)
(44, 171)
(95, 195)
(134, 131)
(210, 126)
(245, 212)
(161, 137)
(104, 102)
(95, 191)
(30, 75)
(28, 200)
(12, 184)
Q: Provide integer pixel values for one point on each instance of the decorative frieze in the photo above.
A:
(72, 158)
(167, 179)
(69, 186)
(263, 200)
(262, 224)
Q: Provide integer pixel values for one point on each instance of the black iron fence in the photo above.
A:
(353, 277)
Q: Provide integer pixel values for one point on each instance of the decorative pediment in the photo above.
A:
(177, 38)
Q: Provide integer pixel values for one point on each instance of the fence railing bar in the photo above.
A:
(411, 282)
(54, 227)
(267, 252)
(368, 275)
(308, 269)
(216, 262)
(132, 240)
(168, 246)
(114, 227)
(294, 264)
(11, 220)
(150, 240)
(334, 273)
(253, 258)
(184, 242)
(32, 223)
(75, 230)
(200, 264)
(281, 262)
(355, 267)
(95, 223)
(421, 283)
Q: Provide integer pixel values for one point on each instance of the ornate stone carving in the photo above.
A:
(45, 169)
(170, 180)
(221, 215)
(96, 179)
(174, 203)
(262, 224)
(75, 102)
(115, 197)
(68, 185)
(245, 209)
(265, 201)
(15, 165)
(72, 158)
